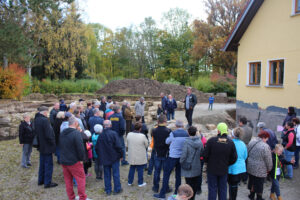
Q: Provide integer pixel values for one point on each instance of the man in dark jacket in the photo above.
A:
(26, 136)
(118, 125)
(96, 119)
(272, 141)
(46, 138)
(160, 134)
(164, 100)
(103, 105)
(109, 150)
(219, 153)
(71, 157)
(190, 102)
(53, 113)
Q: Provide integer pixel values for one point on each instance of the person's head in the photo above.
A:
(291, 110)
(222, 128)
(116, 109)
(61, 101)
(138, 118)
(296, 121)
(68, 115)
(127, 104)
(98, 128)
(289, 125)
(107, 124)
(98, 113)
(26, 118)
(170, 96)
(73, 106)
(162, 94)
(109, 99)
(97, 104)
(80, 108)
(162, 119)
(88, 133)
(60, 115)
(73, 123)
(189, 90)
(142, 99)
(103, 99)
(76, 113)
(185, 192)
(243, 121)
(261, 125)
(138, 126)
(44, 110)
(192, 130)
(278, 149)
(81, 101)
(89, 105)
(238, 132)
(179, 124)
(264, 135)
(56, 106)
(111, 106)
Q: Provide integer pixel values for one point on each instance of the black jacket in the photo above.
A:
(56, 129)
(281, 162)
(26, 133)
(193, 101)
(219, 153)
(45, 133)
(71, 147)
(53, 114)
(285, 140)
(108, 147)
(160, 135)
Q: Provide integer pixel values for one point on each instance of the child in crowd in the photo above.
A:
(185, 192)
(276, 171)
(159, 110)
(97, 166)
(88, 162)
(62, 105)
(211, 100)
(109, 111)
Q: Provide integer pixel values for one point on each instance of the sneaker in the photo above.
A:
(41, 183)
(156, 196)
(142, 185)
(155, 190)
(29, 164)
(129, 184)
(87, 175)
(99, 178)
(51, 185)
(125, 163)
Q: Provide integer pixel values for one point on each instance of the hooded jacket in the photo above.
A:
(71, 147)
(192, 150)
(117, 123)
(176, 141)
(139, 108)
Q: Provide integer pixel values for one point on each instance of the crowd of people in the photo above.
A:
(93, 134)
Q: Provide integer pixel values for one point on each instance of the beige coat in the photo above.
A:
(137, 148)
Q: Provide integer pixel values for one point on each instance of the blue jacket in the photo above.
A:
(93, 121)
(118, 123)
(240, 165)
(171, 105)
(163, 103)
(63, 107)
(94, 141)
(176, 141)
(272, 141)
(211, 100)
(108, 147)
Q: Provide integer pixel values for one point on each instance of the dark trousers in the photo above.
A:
(128, 126)
(217, 185)
(199, 188)
(171, 163)
(170, 115)
(297, 156)
(140, 171)
(98, 168)
(193, 182)
(275, 186)
(189, 116)
(159, 164)
(45, 169)
(113, 170)
(233, 181)
(151, 162)
(143, 119)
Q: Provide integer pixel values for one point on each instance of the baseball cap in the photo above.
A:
(223, 128)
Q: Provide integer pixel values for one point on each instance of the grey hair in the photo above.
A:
(72, 120)
(106, 123)
(162, 119)
(96, 110)
(60, 115)
(116, 108)
(26, 115)
(179, 123)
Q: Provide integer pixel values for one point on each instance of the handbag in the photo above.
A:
(187, 165)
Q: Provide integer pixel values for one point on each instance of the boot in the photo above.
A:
(272, 196)
(259, 197)
(251, 195)
(279, 198)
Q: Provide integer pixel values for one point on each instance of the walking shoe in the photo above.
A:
(169, 190)
(29, 164)
(156, 196)
(279, 198)
(129, 184)
(51, 185)
(41, 183)
(87, 175)
(99, 178)
(142, 185)
(119, 192)
(125, 163)
(272, 196)
(77, 198)
(155, 190)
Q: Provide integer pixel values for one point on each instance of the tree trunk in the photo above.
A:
(5, 62)
(29, 69)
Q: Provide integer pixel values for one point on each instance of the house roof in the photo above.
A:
(241, 25)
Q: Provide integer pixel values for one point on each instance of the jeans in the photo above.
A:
(27, 149)
(217, 185)
(297, 156)
(45, 169)
(151, 162)
(98, 168)
(170, 115)
(123, 148)
(77, 172)
(171, 163)
(189, 116)
(159, 163)
(140, 171)
(288, 156)
(57, 153)
(199, 188)
(210, 106)
(113, 170)
(128, 126)
(193, 182)
(275, 186)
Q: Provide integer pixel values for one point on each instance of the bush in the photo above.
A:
(172, 81)
(66, 86)
(12, 82)
(203, 83)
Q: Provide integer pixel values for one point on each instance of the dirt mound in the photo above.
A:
(146, 87)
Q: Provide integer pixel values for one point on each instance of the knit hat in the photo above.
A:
(222, 127)
(261, 125)
(87, 133)
(98, 128)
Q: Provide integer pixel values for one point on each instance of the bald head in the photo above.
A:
(107, 123)
(56, 106)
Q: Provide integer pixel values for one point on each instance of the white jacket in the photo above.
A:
(137, 148)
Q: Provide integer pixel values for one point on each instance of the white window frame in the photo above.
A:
(268, 73)
(294, 8)
(248, 73)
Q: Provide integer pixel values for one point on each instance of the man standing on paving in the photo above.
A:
(247, 130)
(118, 125)
(109, 150)
(164, 100)
(140, 108)
(272, 141)
(53, 113)
(46, 138)
(189, 104)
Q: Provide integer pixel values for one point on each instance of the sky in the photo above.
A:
(122, 13)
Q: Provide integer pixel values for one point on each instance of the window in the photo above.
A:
(254, 73)
(276, 72)
(296, 6)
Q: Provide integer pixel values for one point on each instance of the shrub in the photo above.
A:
(172, 81)
(203, 83)
(12, 82)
